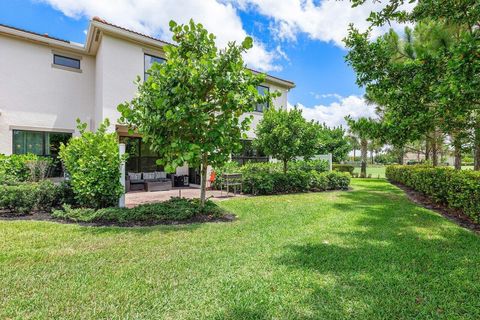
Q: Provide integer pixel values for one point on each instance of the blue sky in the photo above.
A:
(298, 40)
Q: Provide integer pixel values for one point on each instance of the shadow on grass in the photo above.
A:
(397, 261)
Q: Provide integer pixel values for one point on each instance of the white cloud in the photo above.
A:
(326, 20)
(326, 95)
(334, 114)
(152, 17)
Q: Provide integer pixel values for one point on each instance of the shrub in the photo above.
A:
(318, 181)
(343, 168)
(14, 167)
(266, 178)
(93, 161)
(25, 197)
(309, 165)
(175, 209)
(456, 189)
(338, 180)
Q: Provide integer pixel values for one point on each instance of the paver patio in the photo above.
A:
(136, 198)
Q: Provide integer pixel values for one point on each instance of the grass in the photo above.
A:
(377, 171)
(364, 254)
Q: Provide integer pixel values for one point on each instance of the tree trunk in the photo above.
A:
(401, 155)
(458, 158)
(364, 152)
(434, 148)
(476, 162)
(285, 166)
(427, 149)
(203, 182)
(457, 152)
(353, 155)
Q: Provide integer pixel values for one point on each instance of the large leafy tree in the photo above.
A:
(286, 135)
(190, 108)
(334, 141)
(428, 84)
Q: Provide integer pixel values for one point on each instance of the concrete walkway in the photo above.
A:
(134, 198)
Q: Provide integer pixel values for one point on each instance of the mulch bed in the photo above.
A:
(451, 214)
(45, 216)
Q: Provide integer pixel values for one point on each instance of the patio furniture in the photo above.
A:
(231, 180)
(162, 185)
(149, 181)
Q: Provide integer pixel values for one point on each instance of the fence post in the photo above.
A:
(121, 151)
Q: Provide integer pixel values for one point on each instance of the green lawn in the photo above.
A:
(364, 254)
(376, 171)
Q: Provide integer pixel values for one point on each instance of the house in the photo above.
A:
(47, 83)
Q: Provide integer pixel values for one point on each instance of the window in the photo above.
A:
(66, 61)
(262, 90)
(140, 157)
(249, 154)
(45, 144)
(149, 61)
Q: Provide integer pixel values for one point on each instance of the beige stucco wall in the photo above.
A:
(35, 95)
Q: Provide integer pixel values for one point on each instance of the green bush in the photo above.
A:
(175, 209)
(338, 180)
(309, 165)
(92, 161)
(456, 189)
(343, 168)
(14, 167)
(23, 198)
(318, 181)
(19, 199)
(264, 178)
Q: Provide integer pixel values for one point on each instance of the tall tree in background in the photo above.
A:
(354, 144)
(444, 66)
(189, 109)
(365, 129)
(286, 135)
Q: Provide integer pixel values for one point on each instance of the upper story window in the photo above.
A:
(64, 61)
(149, 61)
(262, 90)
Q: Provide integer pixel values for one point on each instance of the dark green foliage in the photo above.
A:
(175, 209)
(23, 198)
(262, 179)
(343, 168)
(457, 189)
(93, 161)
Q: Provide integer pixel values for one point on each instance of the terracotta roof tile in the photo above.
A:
(34, 33)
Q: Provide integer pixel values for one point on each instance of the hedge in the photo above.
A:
(25, 197)
(302, 176)
(343, 168)
(175, 209)
(458, 189)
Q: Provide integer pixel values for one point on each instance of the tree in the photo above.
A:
(190, 108)
(442, 56)
(365, 129)
(334, 141)
(354, 144)
(285, 135)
